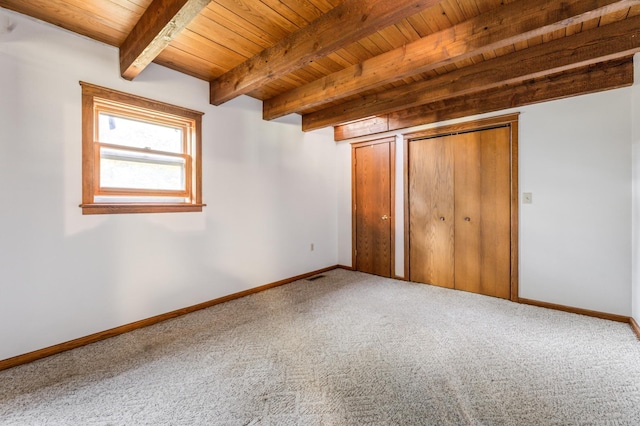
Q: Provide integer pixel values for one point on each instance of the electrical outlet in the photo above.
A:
(527, 198)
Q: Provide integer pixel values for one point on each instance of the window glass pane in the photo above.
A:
(138, 134)
(134, 170)
(138, 199)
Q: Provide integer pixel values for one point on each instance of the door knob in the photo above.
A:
(385, 217)
(468, 219)
(442, 218)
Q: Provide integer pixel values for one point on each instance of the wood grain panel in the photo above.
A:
(362, 127)
(174, 58)
(134, 6)
(612, 41)
(161, 22)
(373, 202)
(616, 16)
(481, 35)
(229, 29)
(468, 218)
(287, 13)
(261, 16)
(590, 79)
(431, 211)
(238, 25)
(305, 9)
(74, 18)
(483, 212)
(217, 33)
(349, 22)
(194, 44)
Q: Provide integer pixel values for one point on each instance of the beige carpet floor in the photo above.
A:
(347, 349)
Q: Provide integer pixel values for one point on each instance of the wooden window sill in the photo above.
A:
(114, 208)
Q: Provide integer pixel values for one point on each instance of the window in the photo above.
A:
(138, 155)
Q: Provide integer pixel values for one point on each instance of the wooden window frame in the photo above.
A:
(96, 99)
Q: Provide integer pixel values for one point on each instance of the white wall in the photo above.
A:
(270, 190)
(575, 239)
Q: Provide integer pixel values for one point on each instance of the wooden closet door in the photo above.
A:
(373, 242)
(483, 212)
(431, 211)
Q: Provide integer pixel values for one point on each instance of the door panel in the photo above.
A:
(373, 209)
(431, 212)
(483, 212)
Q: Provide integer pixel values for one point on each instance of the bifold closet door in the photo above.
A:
(460, 211)
(483, 212)
(431, 211)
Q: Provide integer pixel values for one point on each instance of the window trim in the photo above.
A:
(153, 110)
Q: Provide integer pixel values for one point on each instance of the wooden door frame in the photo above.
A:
(510, 120)
(391, 140)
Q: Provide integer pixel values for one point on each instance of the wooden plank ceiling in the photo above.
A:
(367, 61)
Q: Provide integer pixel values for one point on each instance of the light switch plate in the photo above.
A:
(527, 198)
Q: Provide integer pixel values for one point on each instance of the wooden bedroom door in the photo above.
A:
(459, 192)
(373, 188)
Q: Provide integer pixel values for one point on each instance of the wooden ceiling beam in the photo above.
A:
(484, 33)
(594, 78)
(341, 26)
(160, 23)
(608, 42)
(590, 79)
(364, 127)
